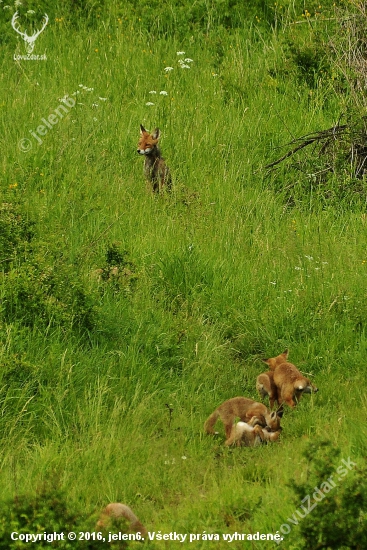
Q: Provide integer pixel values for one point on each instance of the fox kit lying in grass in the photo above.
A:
(244, 409)
(265, 385)
(291, 384)
(116, 510)
(250, 435)
(155, 169)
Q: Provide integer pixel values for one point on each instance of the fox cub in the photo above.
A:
(244, 409)
(290, 383)
(116, 510)
(250, 434)
(265, 385)
(156, 170)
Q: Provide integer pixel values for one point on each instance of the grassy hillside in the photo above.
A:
(236, 264)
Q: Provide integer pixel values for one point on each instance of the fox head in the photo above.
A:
(275, 361)
(264, 435)
(273, 422)
(147, 142)
(271, 436)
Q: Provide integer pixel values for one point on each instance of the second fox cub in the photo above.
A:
(290, 383)
(250, 435)
(155, 168)
(265, 385)
(116, 510)
(244, 409)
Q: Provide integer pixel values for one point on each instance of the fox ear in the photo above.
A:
(267, 361)
(286, 353)
(156, 134)
(280, 412)
(142, 129)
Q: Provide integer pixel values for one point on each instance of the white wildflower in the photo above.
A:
(31, 12)
(309, 257)
(273, 282)
(184, 457)
(188, 60)
(103, 98)
(163, 92)
(298, 268)
(152, 92)
(183, 66)
(180, 53)
(168, 69)
(94, 104)
(149, 103)
(17, 3)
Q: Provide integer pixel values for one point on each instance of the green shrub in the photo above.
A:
(338, 521)
(48, 512)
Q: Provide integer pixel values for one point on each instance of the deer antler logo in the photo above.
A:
(29, 40)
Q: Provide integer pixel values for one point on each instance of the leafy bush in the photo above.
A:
(48, 512)
(338, 521)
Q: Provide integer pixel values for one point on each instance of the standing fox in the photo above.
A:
(244, 409)
(156, 170)
(250, 435)
(116, 510)
(291, 384)
(265, 385)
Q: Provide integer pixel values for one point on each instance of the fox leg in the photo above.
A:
(231, 438)
(228, 426)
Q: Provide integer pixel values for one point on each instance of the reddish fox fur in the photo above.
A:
(249, 435)
(275, 361)
(244, 409)
(265, 385)
(291, 384)
(116, 510)
(156, 171)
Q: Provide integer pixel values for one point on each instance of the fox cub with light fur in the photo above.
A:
(290, 383)
(244, 409)
(265, 385)
(116, 510)
(251, 434)
(156, 170)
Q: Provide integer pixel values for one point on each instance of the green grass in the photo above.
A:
(225, 271)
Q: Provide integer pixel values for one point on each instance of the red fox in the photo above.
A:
(274, 361)
(156, 171)
(265, 386)
(290, 382)
(117, 510)
(247, 435)
(244, 409)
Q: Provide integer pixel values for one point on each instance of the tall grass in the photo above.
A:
(219, 273)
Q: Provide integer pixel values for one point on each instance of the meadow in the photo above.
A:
(106, 381)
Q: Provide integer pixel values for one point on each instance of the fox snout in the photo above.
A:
(143, 151)
(310, 389)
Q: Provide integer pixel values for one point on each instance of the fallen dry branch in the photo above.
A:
(323, 135)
